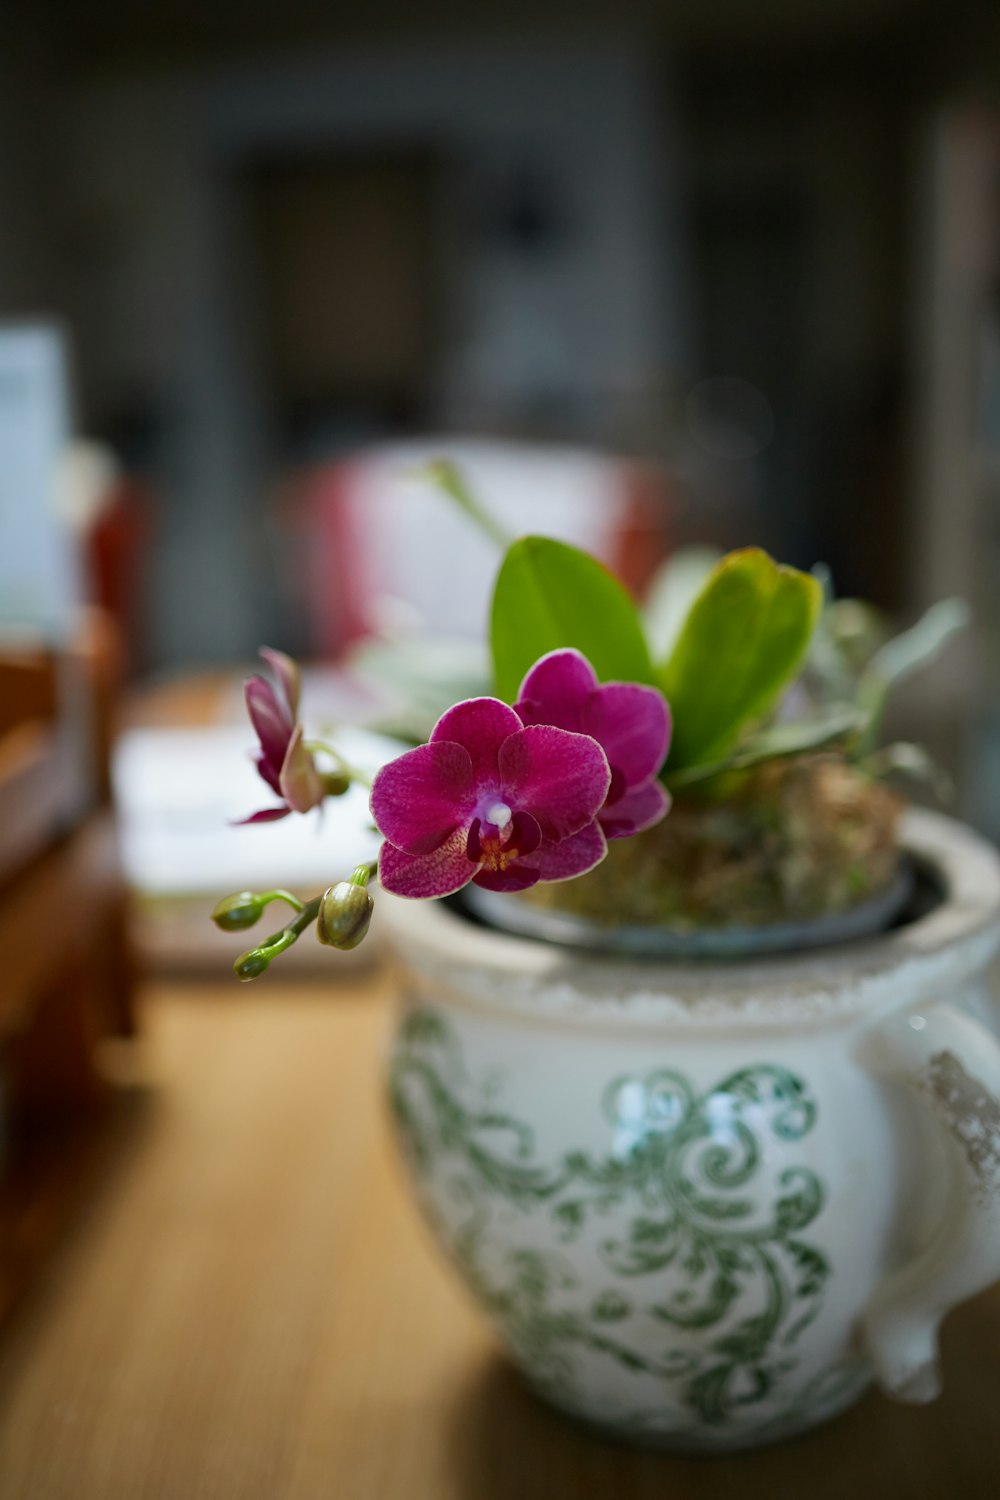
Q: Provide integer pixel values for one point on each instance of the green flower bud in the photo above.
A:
(234, 913)
(335, 783)
(344, 914)
(251, 965)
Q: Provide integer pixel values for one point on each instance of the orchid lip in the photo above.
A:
(497, 848)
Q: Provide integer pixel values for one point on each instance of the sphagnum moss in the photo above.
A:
(793, 840)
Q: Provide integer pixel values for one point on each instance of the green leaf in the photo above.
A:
(673, 590)
(549, 595)
(797, 737)
(742, 643)
(417, 677)
(904, 759)
(906, 654)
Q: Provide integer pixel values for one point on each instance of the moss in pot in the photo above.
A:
(681, 1190)
(801, 852)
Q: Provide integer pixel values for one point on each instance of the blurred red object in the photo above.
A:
(116, 548)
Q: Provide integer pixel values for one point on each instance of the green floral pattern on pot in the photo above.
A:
(694, 1219)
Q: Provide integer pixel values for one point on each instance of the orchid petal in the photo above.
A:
(438, 873)
(301, 785)
(480, 726)
(525, 834)
(422, 796)
(271, 723)
(516, 877)
(266, 815)
(556, 690)
(573, 856)
(268, 772)
(289, 678)
(560, 778)
(632, 722)
(638, 809)
(473, 847)
(618, 787)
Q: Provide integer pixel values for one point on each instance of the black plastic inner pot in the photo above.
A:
(916, 890)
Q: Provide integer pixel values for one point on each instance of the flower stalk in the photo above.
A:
(252, 964)
(237, 912)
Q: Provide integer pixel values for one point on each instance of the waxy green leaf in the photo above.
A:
(671, 593)
(829, 726)
(913, 761)
(550, 595)
(905, 654)
(742, 643)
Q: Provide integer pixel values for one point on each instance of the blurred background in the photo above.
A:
(751, 246)
(654, 273)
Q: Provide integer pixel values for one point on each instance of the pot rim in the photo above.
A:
(926, 959)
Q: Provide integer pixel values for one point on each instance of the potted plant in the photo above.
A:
(685, 1074)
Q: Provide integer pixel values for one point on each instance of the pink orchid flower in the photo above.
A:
(282, 760)
(630, 722)
(491, 801)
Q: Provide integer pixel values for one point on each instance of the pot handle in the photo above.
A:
(952, 1064)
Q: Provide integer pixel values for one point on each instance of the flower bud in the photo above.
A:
(234, 913)
(335, 783)
(344, 915)
(251, 965)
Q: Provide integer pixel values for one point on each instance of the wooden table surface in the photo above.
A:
(250, 1309)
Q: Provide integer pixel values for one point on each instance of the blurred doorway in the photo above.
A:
(348, 313)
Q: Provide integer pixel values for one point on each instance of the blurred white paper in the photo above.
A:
(39, 567)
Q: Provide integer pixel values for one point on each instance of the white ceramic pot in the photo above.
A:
(705, 1204)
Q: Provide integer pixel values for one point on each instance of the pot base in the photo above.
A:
(835, 1394)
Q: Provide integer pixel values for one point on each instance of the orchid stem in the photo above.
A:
(255, 961)
(352, 772)
(450, 482)
(266, 897)
(286, 936)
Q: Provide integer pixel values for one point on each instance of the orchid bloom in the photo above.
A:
(492, 801)
(630, 722)
(282, 760)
